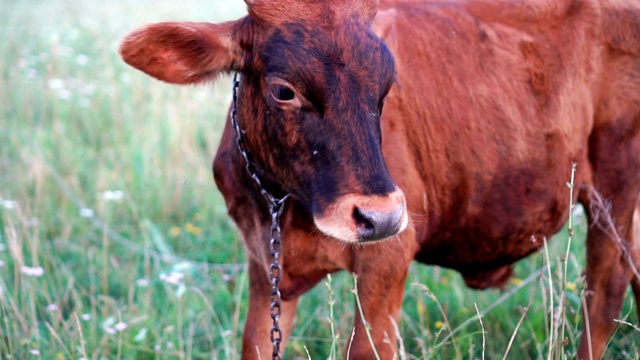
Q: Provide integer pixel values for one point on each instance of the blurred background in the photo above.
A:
(115, 244)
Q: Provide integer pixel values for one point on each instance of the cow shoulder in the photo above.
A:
(621, 26)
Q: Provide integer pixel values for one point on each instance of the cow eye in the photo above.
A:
(282, 93)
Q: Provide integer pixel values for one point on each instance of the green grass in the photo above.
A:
(79, 128)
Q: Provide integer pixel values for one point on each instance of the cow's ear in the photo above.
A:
(184, 52)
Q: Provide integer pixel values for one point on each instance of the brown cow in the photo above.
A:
(487, 105)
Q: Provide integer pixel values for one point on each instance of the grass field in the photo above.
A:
(115, 244)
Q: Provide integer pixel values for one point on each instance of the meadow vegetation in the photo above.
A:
(115, 244)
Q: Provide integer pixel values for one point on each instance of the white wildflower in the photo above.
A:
(8, 204)
(174, 278)
(113, 195)
(52, 307)
(86, 213)
(85, 317)
(107, 325)
(82, 59)
(1, 263)
(142, 282)
(121, 326)
(32, 271)
(35, 352)
(56, 84)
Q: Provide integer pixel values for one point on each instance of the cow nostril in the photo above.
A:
(376, 225)
(365, 225)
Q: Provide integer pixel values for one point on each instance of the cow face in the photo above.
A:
(314, 78)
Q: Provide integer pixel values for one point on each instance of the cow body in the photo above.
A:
(493, 117)
(493, 102)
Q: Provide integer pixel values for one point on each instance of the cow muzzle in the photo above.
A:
(358, 218)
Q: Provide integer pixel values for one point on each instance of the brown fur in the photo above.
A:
(492, 102)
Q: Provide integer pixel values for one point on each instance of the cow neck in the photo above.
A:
(276, 207)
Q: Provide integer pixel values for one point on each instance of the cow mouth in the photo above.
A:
(356, 218)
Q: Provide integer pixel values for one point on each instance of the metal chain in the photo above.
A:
(275, 272)
(276, 207)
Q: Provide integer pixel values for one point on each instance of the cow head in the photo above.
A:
(314, 78)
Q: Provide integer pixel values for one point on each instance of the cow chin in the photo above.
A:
(363, 219)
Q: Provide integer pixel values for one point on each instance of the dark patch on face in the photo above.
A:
(331, 145)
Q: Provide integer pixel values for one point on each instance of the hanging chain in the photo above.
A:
(276, 206)
(275, 272)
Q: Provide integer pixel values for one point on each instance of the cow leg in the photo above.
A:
(380, 291)
(609, 242)
(256, 341)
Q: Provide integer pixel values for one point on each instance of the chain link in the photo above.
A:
(276, 207)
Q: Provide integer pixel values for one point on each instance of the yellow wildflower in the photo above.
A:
(192, 229)
(175, 231)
